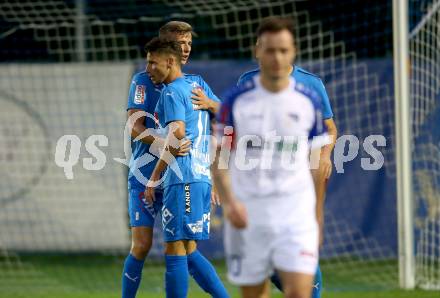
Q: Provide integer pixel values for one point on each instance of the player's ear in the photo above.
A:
(256, 53)
(255, 49)
(170, 61)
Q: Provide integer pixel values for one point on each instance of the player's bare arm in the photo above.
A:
(137, 128)
(215, 198)
(176, 133)
(321, 170)
(325, 163)
(203, 102)
(233, 209)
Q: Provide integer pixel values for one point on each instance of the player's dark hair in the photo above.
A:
(161, 45)
(176, 27)
(276, 24)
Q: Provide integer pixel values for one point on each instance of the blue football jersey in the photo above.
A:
(197, 81)
(175, 104)
(144, 95)
(306, 78)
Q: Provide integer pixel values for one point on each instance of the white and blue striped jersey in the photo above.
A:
(272, 137)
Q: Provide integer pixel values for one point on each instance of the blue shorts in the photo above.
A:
(186, 211)
(141, 214)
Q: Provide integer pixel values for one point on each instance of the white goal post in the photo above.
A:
(403, 144)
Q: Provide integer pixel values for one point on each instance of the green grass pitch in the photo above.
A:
(99, 277)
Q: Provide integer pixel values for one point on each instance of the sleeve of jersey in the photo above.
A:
(327, 112)
(137, 95)
(241, 79)
(173, 106)
(318, 136)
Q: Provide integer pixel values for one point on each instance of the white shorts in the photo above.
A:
(254, 253)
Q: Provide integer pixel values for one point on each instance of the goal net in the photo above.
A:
(425, 96)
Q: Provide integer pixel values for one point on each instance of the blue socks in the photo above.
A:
(317, 284)
(205, 275)
(131, 276)
(176, 276)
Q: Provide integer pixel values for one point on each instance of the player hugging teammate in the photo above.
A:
(271, 205)
(183, 103)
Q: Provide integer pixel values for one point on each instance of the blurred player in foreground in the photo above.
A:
(142, 100)
(271, 123)
(187, 184)
(322, 174)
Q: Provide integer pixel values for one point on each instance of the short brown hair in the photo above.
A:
(176, 27)
(276, 24)
(161, 45)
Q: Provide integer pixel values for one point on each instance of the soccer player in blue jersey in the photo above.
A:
(142, 100)
(187, 184)
(322, 174)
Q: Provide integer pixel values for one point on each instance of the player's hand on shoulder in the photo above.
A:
(237, 214)
(201, 101)
(184, 147)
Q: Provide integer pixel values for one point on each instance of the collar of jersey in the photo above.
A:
(177, 80)
(285, 90)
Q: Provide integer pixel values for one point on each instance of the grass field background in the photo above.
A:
(99, 276)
